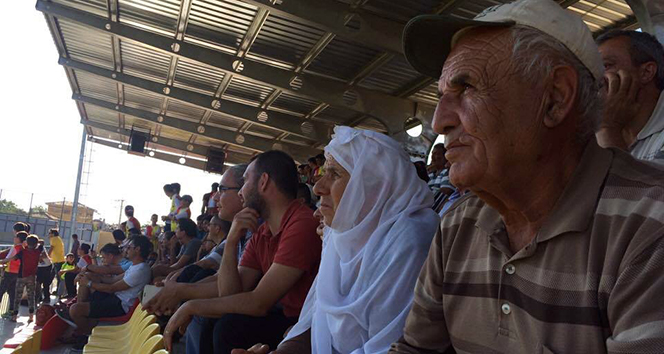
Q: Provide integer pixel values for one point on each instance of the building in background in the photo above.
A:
(85, 213)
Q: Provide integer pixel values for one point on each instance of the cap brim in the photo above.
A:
(427, 40)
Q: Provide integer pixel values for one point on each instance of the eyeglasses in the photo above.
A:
(223, 189)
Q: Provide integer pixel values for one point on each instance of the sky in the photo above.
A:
(40, 136)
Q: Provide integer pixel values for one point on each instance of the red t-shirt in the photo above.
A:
(29, 261)
(295, 245)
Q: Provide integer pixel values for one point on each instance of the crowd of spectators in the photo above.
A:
(537, 227)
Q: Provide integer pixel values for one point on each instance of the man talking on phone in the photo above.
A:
(260, 296)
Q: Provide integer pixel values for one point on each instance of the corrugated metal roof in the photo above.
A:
(355, 73)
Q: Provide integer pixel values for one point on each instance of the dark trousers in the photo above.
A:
(193, 273)
(44, 280)
(232, 331)
(70, 283)
(8, 285)
(54, 273)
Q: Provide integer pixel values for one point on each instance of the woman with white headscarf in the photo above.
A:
(378, 228)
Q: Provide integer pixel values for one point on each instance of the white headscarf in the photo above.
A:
(373, 252)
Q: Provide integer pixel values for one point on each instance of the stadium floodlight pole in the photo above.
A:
(74, 210)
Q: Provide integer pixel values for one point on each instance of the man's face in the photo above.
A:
(312, 165)
(488, 114)
(228, 200)
(249, 193)
(438, 158)
(180, 234)
(615, 56)
(154, 219)
(107, 258)
(205, 226)
(131, 251)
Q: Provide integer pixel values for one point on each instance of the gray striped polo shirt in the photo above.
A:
(591, 281)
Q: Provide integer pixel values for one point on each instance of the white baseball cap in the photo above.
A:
(429, 39)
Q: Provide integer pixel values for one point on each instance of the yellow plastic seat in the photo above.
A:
(119, 330)
(36, 343)
(19, 350)
(127, 347)
(138, 315)
(103, 342)
(162, 351)
(26, 346)
(153, 344)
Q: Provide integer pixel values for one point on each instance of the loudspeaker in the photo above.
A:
(215, 161)
(137, 143)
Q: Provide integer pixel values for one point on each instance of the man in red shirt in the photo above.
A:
(133, 227)
(261, 296)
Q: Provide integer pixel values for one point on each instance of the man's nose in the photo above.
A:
(446, 117)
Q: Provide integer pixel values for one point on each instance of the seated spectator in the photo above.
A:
(439, 180)
(304, 195)
(186, 235)
(69, 265)
(634, 114)
(559, 245)
(375, 248)
(173, 293)
(109, 297)
(261, 296)
(207, 266)
(84, 260)
(27, 275)
(421, 169)
(111, 256)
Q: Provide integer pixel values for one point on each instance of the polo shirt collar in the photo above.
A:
(656, 122)
(294, 205)
(576, 206)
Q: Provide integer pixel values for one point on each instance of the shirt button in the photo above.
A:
(506, 308)
(510, 269)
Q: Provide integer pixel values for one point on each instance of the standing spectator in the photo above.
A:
(152, 231)
(439, 179)
(44, 275)
(183, 212)
(29, 258)
(209, 204)
(75, 245)
(168, 190)
(8, 284)
(56, 252)
(132, 226)
(177, 204)
(634, 115)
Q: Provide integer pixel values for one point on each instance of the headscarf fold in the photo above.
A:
(373, 251)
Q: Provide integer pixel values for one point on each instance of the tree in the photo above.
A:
(9, 207)
(38, 211)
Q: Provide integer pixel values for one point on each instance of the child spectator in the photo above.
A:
(29, 258)
(8, 284)
(69, 266)
(152, 231)
(183, 212)
(83, 261)
(44, 275)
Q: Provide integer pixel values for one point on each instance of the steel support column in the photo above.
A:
(650, 14)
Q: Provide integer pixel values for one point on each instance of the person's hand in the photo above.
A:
(166, 301)
(621, 99)
(178, 322)
(246, 219)
(82, 280)
(321, 225)
(256, 349)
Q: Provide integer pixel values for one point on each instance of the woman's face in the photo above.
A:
(331, 188)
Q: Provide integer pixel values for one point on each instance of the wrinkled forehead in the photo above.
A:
(478, 51)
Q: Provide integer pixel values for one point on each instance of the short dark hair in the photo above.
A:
(439, 146)
(304, 192)
(320, 156)
(119, 235)
(32, 240)
(188, 226)
(85, 248)
(312, 159)
(143, 243)
(644, 47)
(27, 227)
(54, 232)
(176, 187)
(168, 188)
(280, 167)
(169, 235)
(110, 248)
(75, 236)
(19, 226)
(208, 218)
(215, 186)
(188, 198)
(22, 235)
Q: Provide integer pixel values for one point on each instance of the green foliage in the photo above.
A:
(9, 207)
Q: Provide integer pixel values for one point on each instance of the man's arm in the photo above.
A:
(237, 279)
(170, 296)
(426, 330)
(183, 261)
(105, 270)
(110, 288)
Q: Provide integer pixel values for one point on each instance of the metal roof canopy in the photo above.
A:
(251, 75)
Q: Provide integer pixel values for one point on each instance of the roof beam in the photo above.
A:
(197, 164)
(249, 142)
(390, 110)
(276, 120)
(252, 32)
(374, 31)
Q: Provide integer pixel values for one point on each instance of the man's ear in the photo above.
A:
(647, 72)
(560, 95)
(263, 181)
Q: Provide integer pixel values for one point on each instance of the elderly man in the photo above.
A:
(634, 114)
(559, 247)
